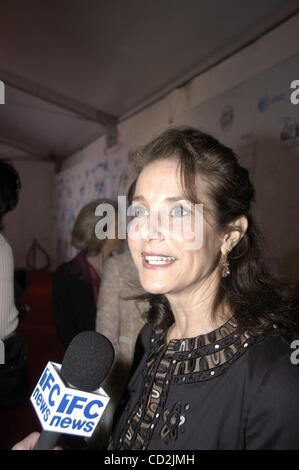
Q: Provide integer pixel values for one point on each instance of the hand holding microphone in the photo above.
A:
(30, 442)
(68, 399)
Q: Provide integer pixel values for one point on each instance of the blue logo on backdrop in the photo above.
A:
(266, 101)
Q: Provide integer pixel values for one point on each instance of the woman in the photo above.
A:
(76, 283)
(214, 369)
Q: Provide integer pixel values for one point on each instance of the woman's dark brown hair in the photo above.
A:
(255, 297)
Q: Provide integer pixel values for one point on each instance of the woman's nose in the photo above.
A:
(155, 227)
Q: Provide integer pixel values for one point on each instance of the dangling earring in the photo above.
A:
(225, 266)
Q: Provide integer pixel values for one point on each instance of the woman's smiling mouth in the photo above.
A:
(157, 260)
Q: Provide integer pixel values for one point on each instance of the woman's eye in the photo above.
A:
(179, 211)
(138, 211)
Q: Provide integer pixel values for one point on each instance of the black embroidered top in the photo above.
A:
(220, 390)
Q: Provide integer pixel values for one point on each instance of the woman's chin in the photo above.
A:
(154, 288)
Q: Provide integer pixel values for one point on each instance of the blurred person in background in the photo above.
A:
(76, 283)
(13, 377)
(9, 195)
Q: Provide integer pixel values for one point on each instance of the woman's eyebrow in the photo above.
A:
(170, 199)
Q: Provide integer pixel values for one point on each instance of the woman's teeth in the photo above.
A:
(159, 259)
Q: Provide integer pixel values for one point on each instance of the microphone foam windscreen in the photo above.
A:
(87, 361)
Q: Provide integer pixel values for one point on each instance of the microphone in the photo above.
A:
(68, 398)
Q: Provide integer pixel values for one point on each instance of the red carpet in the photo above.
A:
(38, 331)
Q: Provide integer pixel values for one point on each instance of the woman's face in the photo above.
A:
(160, 234)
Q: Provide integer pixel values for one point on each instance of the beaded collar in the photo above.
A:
(201, 357)
(181, 362)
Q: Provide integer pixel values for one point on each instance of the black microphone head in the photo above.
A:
(87, 361)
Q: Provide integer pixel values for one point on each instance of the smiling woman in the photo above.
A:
(165, 262)
(190, 185)
(214, 369)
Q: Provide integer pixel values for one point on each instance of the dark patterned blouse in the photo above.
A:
(219, 390)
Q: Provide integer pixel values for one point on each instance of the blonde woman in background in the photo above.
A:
(76, 284)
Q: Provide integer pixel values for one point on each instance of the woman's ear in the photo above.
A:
(237, 229)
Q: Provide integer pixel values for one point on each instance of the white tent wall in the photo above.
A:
(269, 50)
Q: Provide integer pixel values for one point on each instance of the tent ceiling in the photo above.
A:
(72, 68)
